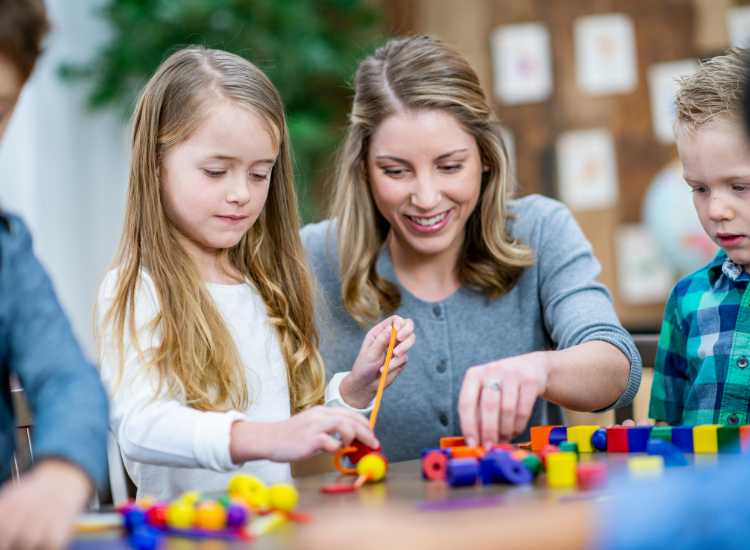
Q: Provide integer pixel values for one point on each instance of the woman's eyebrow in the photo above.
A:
(446, 155)
(392, 158)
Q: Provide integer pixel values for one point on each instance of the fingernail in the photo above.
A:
(471, 442)
(397, 352)
(488, 445)
(377, 443)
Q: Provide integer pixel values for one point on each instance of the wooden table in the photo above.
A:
(405, 491)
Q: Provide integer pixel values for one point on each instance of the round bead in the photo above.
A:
(180, 515)
(546, 451)
(134, 518)
(249, 488)
(283, 496)
(157, 515)
(557, 435)
(191, 497)
(569, 447)
(433, 465)
(373, 466)
(144, 538)
(599, 439)
(147, 502)
(462, 471)
(534, 464)
(210, 515)
(236, 514)
(591, 475)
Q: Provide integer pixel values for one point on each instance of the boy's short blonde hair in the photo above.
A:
(715, 91)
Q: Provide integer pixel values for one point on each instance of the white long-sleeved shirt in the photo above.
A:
(169, 448)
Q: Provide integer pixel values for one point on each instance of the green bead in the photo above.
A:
(568, 447)
(661, 432)
(224, 501)
(533, 463)
(728, 438)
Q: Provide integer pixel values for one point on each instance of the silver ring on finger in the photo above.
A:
(492, 385)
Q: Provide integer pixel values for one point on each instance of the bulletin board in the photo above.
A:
(665, 30)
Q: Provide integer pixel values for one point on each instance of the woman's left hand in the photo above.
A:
(359, 387)
(497, 398)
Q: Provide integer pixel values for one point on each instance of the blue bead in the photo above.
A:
(599, 439)
(671, 454)
(513, 472)
(134, 519)
(638, 438)
(682, 438)
(144, 538)
(557, 435)
(462, 471)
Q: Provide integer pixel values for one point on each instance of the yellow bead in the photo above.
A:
(373, 466)
(581, 436)
(561, 469)
(191, 497)
(249, 488)
(706, 439)
(180, 515)
(210, 515)
(641, 467)
(282, 496)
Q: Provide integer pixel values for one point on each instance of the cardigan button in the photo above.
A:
(436, 311)
(443, 419)
(441, 367)
(742, 362)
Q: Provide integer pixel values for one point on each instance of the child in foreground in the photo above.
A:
(36, 344)
(701, 374)
(206, 320)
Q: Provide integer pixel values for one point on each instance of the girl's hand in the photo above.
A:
(496, 399)
(300, 437)
(39, 513)
(359, 387)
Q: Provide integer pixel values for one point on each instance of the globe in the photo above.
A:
(670, 218)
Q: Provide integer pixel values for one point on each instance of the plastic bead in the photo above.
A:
(534, 464)
(671, 454)
(503, 447)
(210, 515)
(557, 435)
(561, 469)
(637, 438)
(569, 447)
(249, 488)
(180, 515)
(599, 439)
(591, 475)
(466, 452)
(144, 538)
(544, 453)
(519, 455)
(728, 439)
(283, 496)
(157, 515)
(191, 497)
(134, 518)
(433, 465)
(641, 467)
(540, 437)
(446, 442)
(617, 439)
(705, 439)
(682, 438)
(462, 471)
(236, 515)
(512, 471)
(661, 432)
(745, 439)
(581, 436)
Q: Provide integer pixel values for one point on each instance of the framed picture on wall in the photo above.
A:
(738, 26)
(643, 274)
(606, 59)
(662, 86)
(587, 169)
(522, 63)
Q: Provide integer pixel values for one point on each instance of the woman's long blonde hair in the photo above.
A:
(406, 75)
(197, 359)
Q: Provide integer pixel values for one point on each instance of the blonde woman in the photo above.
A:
(206, 320)
(511, 320)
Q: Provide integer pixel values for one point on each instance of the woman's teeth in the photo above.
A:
(429, 221)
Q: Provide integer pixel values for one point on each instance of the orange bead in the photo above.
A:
(210, 515)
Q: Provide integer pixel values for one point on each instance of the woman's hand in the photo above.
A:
(359, 387)
(496, 399)
(299, 437)
(40, 512)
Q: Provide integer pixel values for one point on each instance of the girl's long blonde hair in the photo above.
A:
(197, 359)
(414, 74)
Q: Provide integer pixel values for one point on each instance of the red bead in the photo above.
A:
(434, 464)
(504, 447)
(617, 440)
(547, 450)
(592, 475)
(157, 515)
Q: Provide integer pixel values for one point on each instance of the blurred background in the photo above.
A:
(583, 88)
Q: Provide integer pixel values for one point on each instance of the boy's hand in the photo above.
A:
(359, 387)
(643, 422)
(40, 512)
(299, 437)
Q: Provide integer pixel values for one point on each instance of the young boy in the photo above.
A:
(36, 344)
(701, 374)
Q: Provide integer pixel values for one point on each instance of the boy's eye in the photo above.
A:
(741, 188)
(214, 173)
(698, 189)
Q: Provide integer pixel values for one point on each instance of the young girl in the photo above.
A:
(206, 320)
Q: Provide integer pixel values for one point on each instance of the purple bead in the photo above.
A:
(557, 435)
(236, 515)
(462, 471)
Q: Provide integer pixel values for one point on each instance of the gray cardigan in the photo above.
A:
(557, 303)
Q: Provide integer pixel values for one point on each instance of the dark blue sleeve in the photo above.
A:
(64, 391)
(689, 509)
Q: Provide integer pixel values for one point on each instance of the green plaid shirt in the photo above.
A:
(701, 374)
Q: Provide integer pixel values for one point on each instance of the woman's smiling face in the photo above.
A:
(425, 172)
